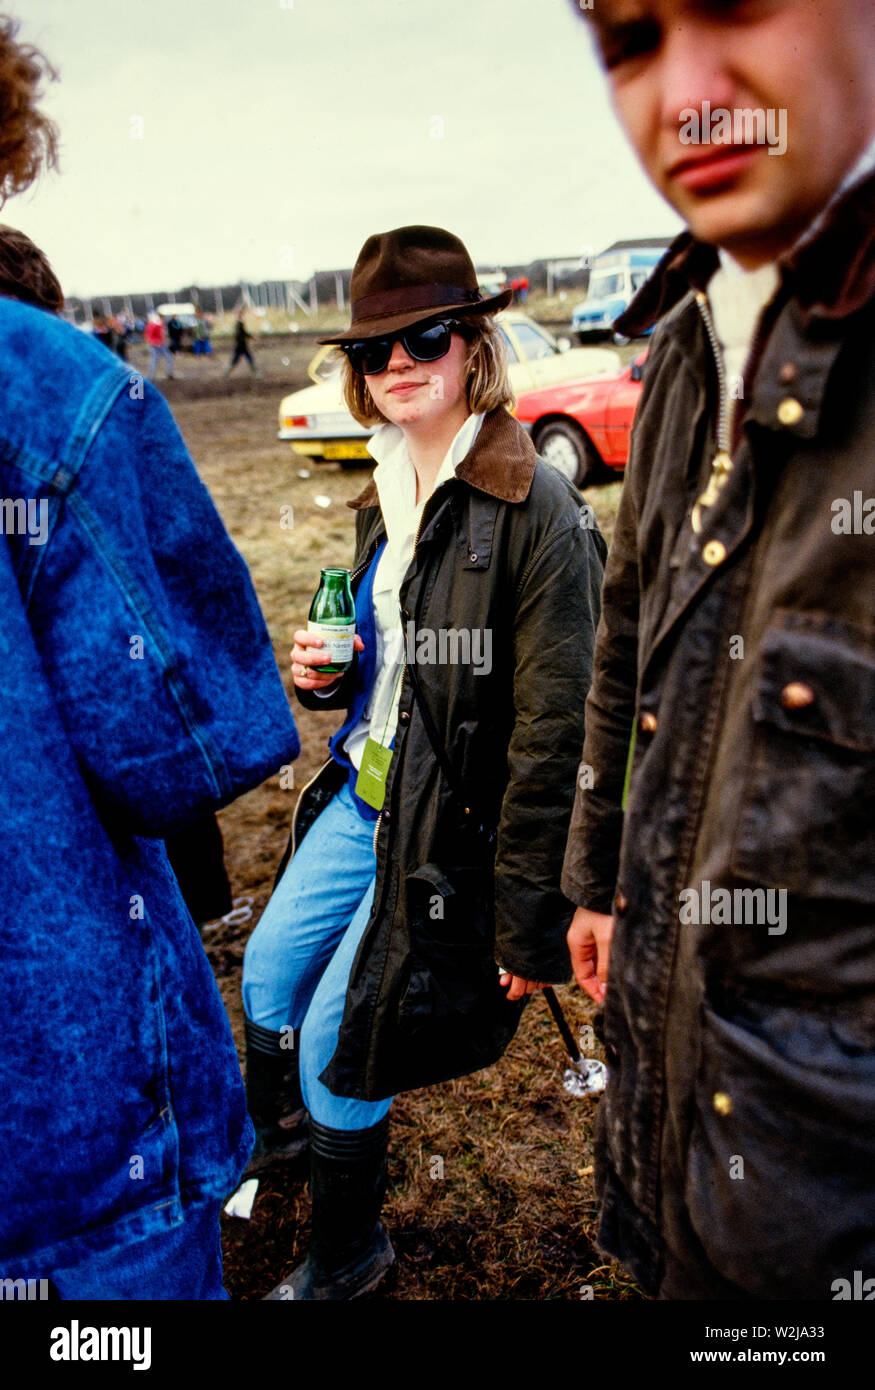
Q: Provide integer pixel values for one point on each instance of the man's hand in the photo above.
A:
(589, 943)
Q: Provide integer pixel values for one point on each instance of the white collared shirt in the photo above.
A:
(395, 479)
(737, 298)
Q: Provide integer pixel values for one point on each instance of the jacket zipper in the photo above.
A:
(721, 464)
(359, 569)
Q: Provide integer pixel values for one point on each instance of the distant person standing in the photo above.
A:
(158, 350)
(202, 345)
(120, 339)
(102, 330)
(174, 335)
(241, 345)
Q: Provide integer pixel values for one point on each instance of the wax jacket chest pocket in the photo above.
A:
(807, 815)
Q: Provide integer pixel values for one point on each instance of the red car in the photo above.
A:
(583, 427)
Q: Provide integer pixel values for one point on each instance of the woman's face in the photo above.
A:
(422, 395)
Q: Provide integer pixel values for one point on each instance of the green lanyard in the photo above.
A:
(370, 784)
(629, 761)
(392, 703)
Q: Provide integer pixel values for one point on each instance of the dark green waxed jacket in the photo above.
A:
(506, 547)
(737, 1135)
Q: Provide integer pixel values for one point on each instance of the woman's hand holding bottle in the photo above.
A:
(307, 653)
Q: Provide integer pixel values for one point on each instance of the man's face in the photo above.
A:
(811, 59)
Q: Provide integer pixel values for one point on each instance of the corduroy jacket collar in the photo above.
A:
(500, 462)
(832, 275)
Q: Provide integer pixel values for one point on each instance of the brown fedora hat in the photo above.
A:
(409, 274)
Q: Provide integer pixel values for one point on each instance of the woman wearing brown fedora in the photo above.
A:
(429, 847)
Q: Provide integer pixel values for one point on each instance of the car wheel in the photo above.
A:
(564, 445)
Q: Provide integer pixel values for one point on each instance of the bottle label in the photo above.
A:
(338, 639)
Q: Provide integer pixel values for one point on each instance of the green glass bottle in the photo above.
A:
(332, 617)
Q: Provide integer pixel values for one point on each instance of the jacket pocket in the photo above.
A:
(453, 1016)
(807, 819)
(782, 1149)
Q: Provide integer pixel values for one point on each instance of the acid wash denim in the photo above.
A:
(139, 691)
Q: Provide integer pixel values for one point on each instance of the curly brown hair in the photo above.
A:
(28, 138)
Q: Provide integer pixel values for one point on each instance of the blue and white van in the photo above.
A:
(615, 277)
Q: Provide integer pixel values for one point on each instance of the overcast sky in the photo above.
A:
(278, 134)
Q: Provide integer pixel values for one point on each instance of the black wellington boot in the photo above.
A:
(273, 1097)
(350, 1251)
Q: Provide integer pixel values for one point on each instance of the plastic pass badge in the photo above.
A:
(371, 781)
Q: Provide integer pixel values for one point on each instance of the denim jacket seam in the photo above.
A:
(167, 1112)
(90, 420)
(61, 478)
(137, 601)
(96, 1238)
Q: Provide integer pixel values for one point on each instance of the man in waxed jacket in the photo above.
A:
(139, 693)
(730, 909)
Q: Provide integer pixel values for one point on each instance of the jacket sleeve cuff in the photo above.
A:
(592, 860)
(541, 953)
(337, 696)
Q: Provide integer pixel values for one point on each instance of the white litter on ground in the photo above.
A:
(240, 1202)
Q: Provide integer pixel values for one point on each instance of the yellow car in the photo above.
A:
(317, 424)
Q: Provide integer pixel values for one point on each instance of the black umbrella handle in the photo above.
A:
(561, 1022)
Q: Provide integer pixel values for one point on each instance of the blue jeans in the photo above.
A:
(157, 354)
(184, 1263)
(299, 957)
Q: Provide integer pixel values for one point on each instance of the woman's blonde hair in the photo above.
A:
(487, 386)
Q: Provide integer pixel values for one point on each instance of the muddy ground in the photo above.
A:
(513, 1215)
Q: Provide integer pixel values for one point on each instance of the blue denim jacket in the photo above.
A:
(139, 690)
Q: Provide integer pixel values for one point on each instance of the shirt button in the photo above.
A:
(387, 816)
(788, 374)
(472, 555)
(790, 412)
(621, 902)
(648, 723)
(722, 1103)
(714, 553)
(797, 695)
(404, 717)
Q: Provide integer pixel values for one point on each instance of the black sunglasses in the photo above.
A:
(424, 343)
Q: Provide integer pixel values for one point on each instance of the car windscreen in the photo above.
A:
(602, 284)
(533, 343)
